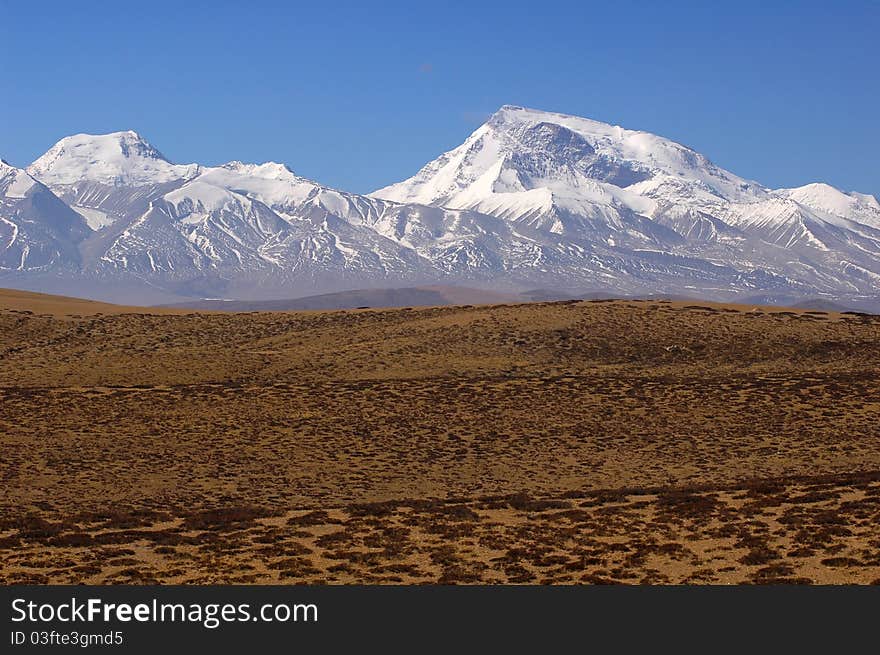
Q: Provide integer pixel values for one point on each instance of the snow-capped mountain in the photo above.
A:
(833, 203)
(616, 189)
(110, 176)
(530, 199)
(37, 230)
(520, 150)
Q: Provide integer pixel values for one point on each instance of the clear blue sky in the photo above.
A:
(358, 95)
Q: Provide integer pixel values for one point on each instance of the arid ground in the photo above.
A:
(567, 442)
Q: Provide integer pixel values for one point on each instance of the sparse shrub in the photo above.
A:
(683, 503)
(317, 517)
(759, 555)
(842, 562)
(229, 518)
(71, 539)
(373, 509)
(525, 503)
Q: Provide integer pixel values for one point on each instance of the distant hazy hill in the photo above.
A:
(402, 297)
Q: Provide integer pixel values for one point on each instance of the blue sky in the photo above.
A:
(359, 95)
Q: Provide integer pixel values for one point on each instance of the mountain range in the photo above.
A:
(531, 199)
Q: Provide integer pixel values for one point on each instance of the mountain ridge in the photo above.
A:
(530, 199)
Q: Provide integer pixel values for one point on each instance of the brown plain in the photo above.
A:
(566, 442)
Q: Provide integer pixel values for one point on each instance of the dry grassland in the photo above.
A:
(567, 442)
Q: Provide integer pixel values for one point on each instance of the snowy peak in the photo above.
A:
(37, 230)
(520, 150)
(116, 159)
(271, 183)
(832, 202)
(509, 116)
(269, 170)
(15, 182)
